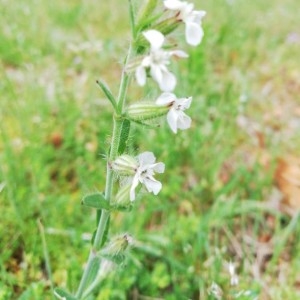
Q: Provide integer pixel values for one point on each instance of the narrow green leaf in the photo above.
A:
(146, 23)
(146, 18)
(96, 200)
(93, 271)
(105, 234)
(107, 93)
(124, 136)
(132, 18)
(63, 295)
(98, 216)
(93, 236)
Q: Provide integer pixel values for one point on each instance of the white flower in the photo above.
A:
(234, 280)
(176, 118)
(145, 170)
(157, 61)
(192, 19)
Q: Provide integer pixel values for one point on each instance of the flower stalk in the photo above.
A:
(105, 214)
(139, 170)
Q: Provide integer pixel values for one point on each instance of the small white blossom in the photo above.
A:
(146, 167)
(157, 62)
(215, 291)
(234, 279)
(176, 117)
(192, 19)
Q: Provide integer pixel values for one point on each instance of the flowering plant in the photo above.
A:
(149, 34)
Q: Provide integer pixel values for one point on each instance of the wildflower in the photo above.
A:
(215, 291)
(192, 19)
(234, 280)
(176, 117)
(156, 61)
(142, 168)
(144, 174)
(118, 245)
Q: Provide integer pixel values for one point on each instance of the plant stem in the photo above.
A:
(113, 153)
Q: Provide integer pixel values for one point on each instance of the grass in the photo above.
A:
(55, 126)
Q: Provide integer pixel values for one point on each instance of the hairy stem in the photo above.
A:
(113, 153)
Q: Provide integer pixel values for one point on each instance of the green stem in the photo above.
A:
(117, 126)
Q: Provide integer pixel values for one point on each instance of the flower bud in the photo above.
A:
(122, 199)
(115, 250)
(147, 10)
(167, 26)
(145, 111)
(125, 165)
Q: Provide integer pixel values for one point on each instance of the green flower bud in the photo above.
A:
(147, 10)
(125, 165)
(167, 26)
(145, 111)
(122, 198)
(115, 250)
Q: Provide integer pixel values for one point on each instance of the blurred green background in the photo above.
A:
(214, 207)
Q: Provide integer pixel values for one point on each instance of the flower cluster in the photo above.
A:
(154, 56)
(141, 169)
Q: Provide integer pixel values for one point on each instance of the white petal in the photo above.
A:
(172, 117)
(179, 53)
(155, 38)
(197, 16)
(174, 4)
(140, 75)
(159, 167)
(156, 73)
(193, 33)
(146, 158)
(146, 62)
(165, 99)
(188, 11)
(184, 121)
(153, 186)
(134, 184)
(185, 103)
(168, 82)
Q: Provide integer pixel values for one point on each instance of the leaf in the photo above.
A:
(146, 12)
(94, 269)
(124, 136)
(98, 216)
(63, 295)
(132, 18)
(96, 200)
(107, 93)
(105, 234)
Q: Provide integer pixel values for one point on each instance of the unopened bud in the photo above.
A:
(125, 165)
(147, 10)
(122, 199)
(117, 247)
(141, 111)
(167, 26)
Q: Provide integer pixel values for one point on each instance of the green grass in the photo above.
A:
(55, 127)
